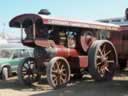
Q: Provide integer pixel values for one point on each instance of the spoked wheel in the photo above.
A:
(58, 72)
(26, 71)
(102, 60)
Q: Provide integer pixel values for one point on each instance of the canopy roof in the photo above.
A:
(26, 19)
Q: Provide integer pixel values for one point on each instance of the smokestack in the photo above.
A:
(44, 12)
(126, 13)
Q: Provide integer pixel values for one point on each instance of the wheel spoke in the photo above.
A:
(32, 66)
(106, 68)
(98, 69)
(55, 81)
(29, 76)
(62, 79)
(57, 64)
(34, 76)
(104, 48)
(54, 68)
(25, 67)
(54, 72)
(25, 76)
(110, 61)
(100, 52)
(54, 75)
(99, 63)
(62, 70)
(24, 71)
(102, 71)
(58, 80)
(62, 66)
(29, 62)
(28, 65)
(98, 57)
(106, 54)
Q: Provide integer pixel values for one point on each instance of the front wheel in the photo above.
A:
(26, 71)
(58, 72)
(102, 60)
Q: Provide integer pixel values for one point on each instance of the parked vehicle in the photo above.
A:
(10, 57)
(63, 47)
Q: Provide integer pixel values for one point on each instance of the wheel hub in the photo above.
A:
(59, 72)
(104, 59)
(29, 71)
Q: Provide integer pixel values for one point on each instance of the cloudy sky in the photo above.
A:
(80, 9)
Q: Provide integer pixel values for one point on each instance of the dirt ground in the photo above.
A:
(84, 87)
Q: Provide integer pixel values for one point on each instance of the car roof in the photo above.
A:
(13, 46)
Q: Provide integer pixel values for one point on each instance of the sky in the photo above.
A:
(80, 9)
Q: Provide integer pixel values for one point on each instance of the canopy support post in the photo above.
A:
(21, 26)
(34, 31)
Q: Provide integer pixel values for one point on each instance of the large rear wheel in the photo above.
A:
(102, 60)
(58, 72)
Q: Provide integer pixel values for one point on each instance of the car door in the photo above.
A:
(18, 56)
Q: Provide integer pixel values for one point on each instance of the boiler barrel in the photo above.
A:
(66, 52)
(46, 53)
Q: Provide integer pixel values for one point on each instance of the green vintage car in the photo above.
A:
(10, 57)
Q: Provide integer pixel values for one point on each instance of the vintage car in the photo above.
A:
(65, 47)
(10, 57)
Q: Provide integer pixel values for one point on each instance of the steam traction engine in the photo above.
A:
(63, 47)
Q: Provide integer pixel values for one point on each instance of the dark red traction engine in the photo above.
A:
(65, 48)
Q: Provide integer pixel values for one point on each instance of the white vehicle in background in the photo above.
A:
(11, 55)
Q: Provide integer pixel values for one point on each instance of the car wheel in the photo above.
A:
(5, 73)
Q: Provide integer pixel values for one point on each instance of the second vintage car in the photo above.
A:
(10, 57)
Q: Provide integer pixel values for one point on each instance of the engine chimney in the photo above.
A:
(44, 12)
(126, 13)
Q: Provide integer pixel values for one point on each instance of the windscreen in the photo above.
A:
(5, 53)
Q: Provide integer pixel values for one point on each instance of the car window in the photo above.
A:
(24, 53)
(20, 53)
(5, 53)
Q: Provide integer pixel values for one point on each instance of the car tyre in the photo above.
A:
(5, 73)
